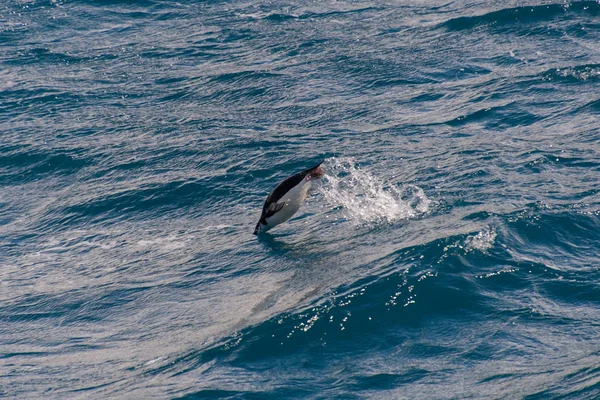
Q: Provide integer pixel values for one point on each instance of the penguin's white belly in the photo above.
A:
(292, 200)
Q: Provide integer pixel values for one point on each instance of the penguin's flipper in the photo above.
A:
(257, 228)
(273, 209)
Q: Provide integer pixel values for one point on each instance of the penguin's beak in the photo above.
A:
(316, 172)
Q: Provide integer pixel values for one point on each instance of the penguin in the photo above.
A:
(286, 198)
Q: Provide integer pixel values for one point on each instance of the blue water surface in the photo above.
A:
(451, 251)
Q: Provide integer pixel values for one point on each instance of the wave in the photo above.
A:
(485, 280)
(283, 17)
(522, 15)
(170, 195)
(573, 74)
(29, 165)
(498, 117)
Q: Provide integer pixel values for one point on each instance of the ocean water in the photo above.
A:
(452, 250)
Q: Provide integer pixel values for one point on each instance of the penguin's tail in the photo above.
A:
(257, 228)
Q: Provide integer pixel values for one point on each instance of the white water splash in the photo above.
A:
(581, 74)
(482, 241)
(364, 198)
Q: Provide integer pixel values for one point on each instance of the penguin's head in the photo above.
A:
(315, 172)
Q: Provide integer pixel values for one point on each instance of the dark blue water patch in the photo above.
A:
(427, 97)
(40, 56)
(282, 17)
(197, 52)
(208, 394)
(505, 277)
(244, 96)
(6, 215)
(178, 95)
(503, 377)
(38, 102)
(389, 82)
(137, 15)
(251, 94)
(95, 387)
(568, 234)
(572, 293)
(478, 216)
(522, 15)
(582, 384)
(277, 17)
(459, 72)
(170, 14)
(35, 307)
(504, 60)
(372, 314)
(278, 393)
(313, 46)
(580, 75)
(167, 81)
(593, 107)
(143, 4)
(545, 162)
(115, 10)
(116, 170)
(385, 381)
(498, 118)
(165, 197)
(71, 307)
(31, 165)
(24, 354)
(244, 76)
(30, 158)
(379, 73)
(231, 37)
(585, 29)
(98, 305)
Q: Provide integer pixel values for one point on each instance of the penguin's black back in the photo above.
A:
(281, 190)
(285, 187)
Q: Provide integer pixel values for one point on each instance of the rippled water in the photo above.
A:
(451, 250)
